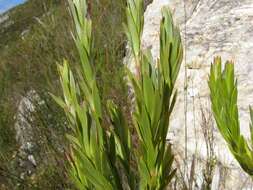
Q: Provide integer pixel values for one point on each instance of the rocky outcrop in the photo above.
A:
(209, 28)
(3, 18)
(40, 140)
(25, 136)
(5, 21)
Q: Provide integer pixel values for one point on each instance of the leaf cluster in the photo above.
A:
(155, 99)
(224, 93)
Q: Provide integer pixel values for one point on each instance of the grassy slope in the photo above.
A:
(29, 62)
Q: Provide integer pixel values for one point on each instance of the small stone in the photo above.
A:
(22, 175)
(32, 159)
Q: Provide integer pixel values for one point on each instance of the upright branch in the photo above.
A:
(154, 96)
(100, 158)
(134, 29)
(223, 89)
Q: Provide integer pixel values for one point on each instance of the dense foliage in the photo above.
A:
(102, 157)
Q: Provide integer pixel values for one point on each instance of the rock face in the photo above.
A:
(212, 27)
(3, 18)
(5, 21)
(25, 136)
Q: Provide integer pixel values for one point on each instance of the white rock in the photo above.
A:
(213, 27)
(24, 131)
(32, 159)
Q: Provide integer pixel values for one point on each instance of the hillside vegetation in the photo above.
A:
(35, 37)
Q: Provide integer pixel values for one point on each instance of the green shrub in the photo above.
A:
(223, 88)
(103, 157)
